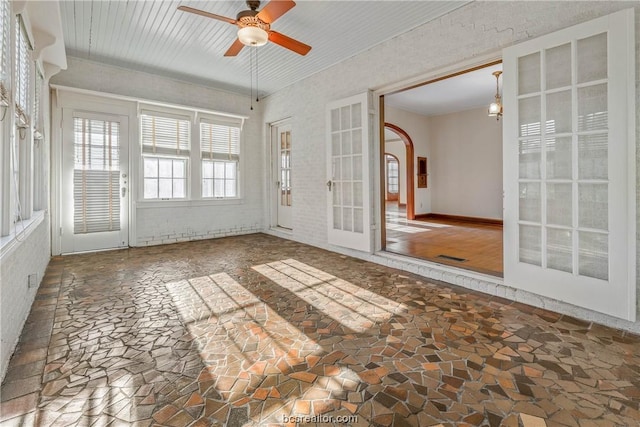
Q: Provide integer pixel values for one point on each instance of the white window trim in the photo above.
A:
(19, 232)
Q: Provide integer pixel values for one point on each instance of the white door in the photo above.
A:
(281, 135)
(569, 163)
(94, 182)
(348, 160)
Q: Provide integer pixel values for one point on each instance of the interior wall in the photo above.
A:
(157, 222)
(466, 166)
(479, 28)
(417, 127)
(29, 254)
(397, 148)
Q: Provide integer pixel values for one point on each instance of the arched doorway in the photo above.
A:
(411, 214)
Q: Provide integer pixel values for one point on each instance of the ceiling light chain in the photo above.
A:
(251, 77)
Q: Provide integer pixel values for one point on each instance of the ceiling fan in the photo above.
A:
(254, 28)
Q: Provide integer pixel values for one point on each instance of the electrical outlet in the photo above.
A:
(32, 281)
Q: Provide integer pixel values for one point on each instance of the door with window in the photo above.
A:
(94, 182)
(348, 166)
(281, 135)
(569, 166)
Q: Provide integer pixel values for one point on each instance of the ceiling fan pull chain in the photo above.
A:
(251, 76)
(257, 73)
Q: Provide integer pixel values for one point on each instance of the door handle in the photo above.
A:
(329, 184)
(278, 184)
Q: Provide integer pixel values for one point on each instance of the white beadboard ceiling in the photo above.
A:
(463, 92)
(155, 37)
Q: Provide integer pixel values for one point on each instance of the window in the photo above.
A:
(164, 178)
(23, 73)
(4, 51)
(165, 153)
(392, 175)
(220, 147)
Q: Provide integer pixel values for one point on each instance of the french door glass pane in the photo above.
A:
(530, 244)
(346, 142)
(593, 255)
(559, 210)
(347, 219)
(530, 201)
(530, 151)
(529, 74)
(593, 158)
(358, 221)
(559, 153)
(593, 206)
(558, 112)
(592, 58)
(529, 114)
(558, 69)
(592, 108)
(559, 249)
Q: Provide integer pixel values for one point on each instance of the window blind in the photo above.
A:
(22, 71)
(4, 49)
(37, 120)
(96, 185)
(220, 141)
(165, 135)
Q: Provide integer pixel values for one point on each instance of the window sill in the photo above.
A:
(19, 232)
(154, 204)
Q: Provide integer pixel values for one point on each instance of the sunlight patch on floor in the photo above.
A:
(353, 306)
(248, 348)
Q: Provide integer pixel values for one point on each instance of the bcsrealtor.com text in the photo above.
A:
(305, 419)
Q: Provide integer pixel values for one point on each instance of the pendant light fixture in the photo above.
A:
(495, 108)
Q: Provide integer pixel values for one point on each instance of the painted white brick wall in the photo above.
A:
(28, 257)
(481, 28)
(170, 224)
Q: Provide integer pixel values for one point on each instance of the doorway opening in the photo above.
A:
(454, 201)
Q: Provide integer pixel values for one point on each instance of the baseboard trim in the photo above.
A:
(471, 219)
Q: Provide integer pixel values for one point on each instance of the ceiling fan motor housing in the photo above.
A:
(249, 18)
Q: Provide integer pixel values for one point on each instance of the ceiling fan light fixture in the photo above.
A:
(253, 36)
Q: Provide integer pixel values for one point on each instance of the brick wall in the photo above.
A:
(478, 29)
(155, 223)
(31, 256)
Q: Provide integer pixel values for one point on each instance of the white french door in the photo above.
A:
(569, 165)
(281, 137)
(348, 182)
(94, 181)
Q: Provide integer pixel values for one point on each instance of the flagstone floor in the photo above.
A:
(259, 331)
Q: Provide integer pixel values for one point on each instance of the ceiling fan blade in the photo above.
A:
(289, 43)
(207, 14)
(235, 48)
(274, 10)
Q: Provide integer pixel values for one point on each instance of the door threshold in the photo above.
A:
(438, 271)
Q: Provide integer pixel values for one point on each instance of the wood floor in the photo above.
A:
(473, 246)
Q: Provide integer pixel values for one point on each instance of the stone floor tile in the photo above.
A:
(251, 329)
